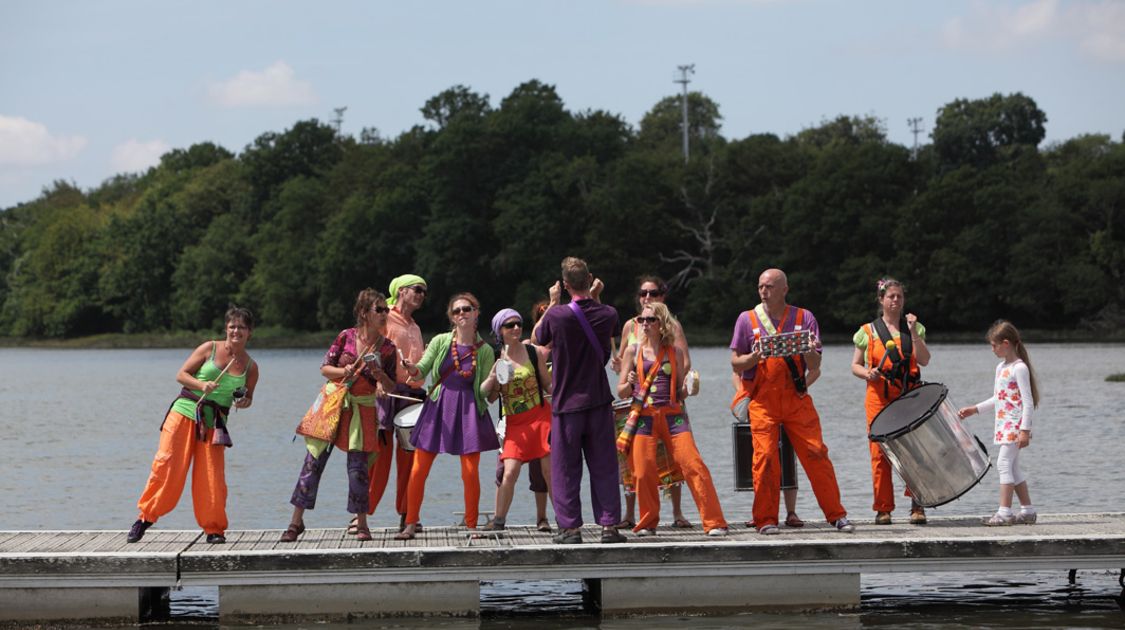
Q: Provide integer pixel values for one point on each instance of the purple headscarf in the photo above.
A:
(504, 315)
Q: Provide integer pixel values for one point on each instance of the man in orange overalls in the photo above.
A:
(778, 397)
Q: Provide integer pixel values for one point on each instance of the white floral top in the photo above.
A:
(1011, 405)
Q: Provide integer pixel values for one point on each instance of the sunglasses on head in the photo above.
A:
(646, 320)
(382, 310)
(457, 310)
(511, 325)
(650, 293)
(419, 289)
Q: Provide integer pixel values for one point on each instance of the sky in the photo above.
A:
(92, 89)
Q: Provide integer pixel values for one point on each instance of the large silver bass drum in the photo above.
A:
(924, 440)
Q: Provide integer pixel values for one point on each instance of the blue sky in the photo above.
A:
(90, 89)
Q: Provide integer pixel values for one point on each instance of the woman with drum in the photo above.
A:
(651, 290)
(363, 359)
(652, 375)
(889, 362)
(520, 379)
(216, 376)
(454, 418)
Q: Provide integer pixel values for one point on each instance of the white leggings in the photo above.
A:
(1008, 465)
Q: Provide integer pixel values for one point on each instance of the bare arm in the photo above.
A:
(186, 375)
(628, 378)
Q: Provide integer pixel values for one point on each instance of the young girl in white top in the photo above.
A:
(1016, 394)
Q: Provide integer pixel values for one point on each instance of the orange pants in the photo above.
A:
(380, 474)
(769, 410)
(178, 447)
(882, 481)
(416, 489)
(685, 454)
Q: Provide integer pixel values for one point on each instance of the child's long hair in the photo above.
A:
(1003, 330)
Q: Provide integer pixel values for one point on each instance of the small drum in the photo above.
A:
(924, 440)
(786, 344)
(744, 458)
(404, 422)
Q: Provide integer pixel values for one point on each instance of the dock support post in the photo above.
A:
(623, 596)
(592, 596)
(371, 599)
(154, 604)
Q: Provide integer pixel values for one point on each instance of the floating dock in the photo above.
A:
(90, 575)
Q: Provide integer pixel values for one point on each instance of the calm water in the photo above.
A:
(82, 430)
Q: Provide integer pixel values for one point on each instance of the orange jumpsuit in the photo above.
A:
(662, 420)
(774, 403)
(879, 394)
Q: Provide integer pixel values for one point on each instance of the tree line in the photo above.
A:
(980, 223)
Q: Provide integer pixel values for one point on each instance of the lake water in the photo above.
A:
(82, 429)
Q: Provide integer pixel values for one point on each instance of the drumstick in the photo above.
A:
(200, 401)
(417, 400)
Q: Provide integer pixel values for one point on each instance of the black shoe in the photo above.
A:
(137, 531)
(611, 535)
(568, 537)
(216, 539)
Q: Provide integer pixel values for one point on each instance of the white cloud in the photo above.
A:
(1096, 29)
(276, 86)
(133, 155)
(27, 143)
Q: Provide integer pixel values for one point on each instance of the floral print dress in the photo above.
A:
(1011, 404)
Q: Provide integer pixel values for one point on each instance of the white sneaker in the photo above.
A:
(769, 530)
(844, 525)
(644, 533)
(717, 532)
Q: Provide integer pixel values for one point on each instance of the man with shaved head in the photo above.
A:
(778, 392)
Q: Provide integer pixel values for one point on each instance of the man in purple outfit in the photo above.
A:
(582, 405)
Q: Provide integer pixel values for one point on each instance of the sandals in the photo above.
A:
(682, 523)
(792, 520)
(362, 534)
(292, 532)
(625, 524)
(353, 525)
(999, 521)
(495, 525)
(407, 533)
(544, 526)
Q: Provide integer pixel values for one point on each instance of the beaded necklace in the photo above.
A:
(457, 361)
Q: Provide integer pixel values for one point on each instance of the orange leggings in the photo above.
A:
(415, 490)
(685, 454)
(380, 474)
(178, 447)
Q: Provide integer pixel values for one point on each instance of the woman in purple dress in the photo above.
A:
(454, 419)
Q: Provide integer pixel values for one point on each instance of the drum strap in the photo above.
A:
(900, 361)
(534, 356)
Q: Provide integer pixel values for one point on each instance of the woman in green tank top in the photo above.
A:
(217, 375)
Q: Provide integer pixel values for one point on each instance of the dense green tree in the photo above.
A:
(978, 132)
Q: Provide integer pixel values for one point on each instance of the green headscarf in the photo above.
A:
(407, 280)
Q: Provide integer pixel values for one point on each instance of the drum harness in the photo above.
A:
(760, 322)
(900, 360)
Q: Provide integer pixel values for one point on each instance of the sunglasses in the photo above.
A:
(419, 289)
(382, 310)
(647, 320)
(462, 309)
(648, 293)
(511, 325)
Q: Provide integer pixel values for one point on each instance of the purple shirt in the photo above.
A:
(578, 369)
(743, 338)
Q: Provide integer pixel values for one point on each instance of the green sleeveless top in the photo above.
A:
(221, 394)
(522, 392)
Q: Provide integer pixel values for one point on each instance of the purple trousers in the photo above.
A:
(588, 433)
(304, 495)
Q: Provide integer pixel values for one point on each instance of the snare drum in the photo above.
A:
(924, 440)
(404, 422)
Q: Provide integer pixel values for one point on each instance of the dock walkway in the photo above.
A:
(48, 575)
